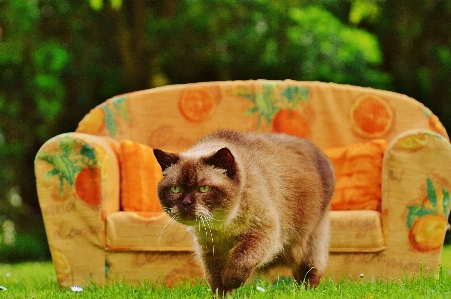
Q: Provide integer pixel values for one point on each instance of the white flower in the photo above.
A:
(76, 289)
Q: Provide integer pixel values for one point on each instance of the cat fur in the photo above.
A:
(267, 204)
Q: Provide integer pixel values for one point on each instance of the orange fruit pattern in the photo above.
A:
(427, 221)
(196, 104)
(280, 108)
(371, 116)
(88, 184)
(76, 166)
(290, 122)
(428, 232)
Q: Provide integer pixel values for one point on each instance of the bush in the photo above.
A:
(18, 246)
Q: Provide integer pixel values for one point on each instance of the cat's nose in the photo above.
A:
(188, 200)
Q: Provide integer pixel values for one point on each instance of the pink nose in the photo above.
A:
(188, 200)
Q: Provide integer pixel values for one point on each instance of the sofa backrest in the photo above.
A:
(175, 117)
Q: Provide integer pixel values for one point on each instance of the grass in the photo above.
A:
(37, 280)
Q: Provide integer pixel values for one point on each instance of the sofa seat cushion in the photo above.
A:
(351, 231)
(146, 231)
(356, 231)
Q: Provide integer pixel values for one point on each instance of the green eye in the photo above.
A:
(175, 189)
(204, 189)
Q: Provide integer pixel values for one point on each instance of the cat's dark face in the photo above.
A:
(201, 188)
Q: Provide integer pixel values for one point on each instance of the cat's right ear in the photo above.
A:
(165, 159)
(223, 159)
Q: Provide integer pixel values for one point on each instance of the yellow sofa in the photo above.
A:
(389, 213)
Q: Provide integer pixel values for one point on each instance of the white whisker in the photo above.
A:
(211, 234)
(171, 221)
(206, 217)
(173, 218)
(203, 224)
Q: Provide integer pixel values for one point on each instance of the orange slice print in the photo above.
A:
(93, 122)
(196, 104)
(437, 126)
(290, 122)
(412, 142)
(371, 116)
(104, 160)
(62, 267)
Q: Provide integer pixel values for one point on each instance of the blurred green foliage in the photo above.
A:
(60, 58)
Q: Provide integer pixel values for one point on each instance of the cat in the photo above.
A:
(251, 200)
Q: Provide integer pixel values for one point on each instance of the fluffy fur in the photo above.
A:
(251, 200)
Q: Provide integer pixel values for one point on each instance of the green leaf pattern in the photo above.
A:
(446, 201)
(118, 109)
(296, 94)
(71, 158)
(431, 192)
(110, 122)
(268, 102)
(120, 103)
(417, 211)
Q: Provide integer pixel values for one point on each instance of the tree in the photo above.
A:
(414, 36)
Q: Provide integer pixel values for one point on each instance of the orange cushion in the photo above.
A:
(357, 170)
(140, 174)
(358, 174)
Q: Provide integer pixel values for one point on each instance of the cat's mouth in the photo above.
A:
(190, 216)
(187, 216)
(181, 215)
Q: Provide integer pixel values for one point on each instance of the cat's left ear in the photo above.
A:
(165, 159)
(223, 159)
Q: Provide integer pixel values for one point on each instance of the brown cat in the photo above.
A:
(251, 201)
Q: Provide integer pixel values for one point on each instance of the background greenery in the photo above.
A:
(60, 58)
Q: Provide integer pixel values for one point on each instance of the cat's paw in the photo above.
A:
(234, 277)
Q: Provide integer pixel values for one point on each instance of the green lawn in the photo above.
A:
(446, 258)
(37, 280)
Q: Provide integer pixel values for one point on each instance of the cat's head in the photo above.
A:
(198, 187)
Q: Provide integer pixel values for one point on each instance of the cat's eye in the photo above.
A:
(204, 189)
(175, 189)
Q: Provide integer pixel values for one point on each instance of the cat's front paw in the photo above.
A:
(234, 277)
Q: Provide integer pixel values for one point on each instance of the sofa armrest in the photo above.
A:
(77, 177)
(416, 181)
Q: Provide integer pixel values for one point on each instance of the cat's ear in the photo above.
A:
(165, 159)
(223, 159)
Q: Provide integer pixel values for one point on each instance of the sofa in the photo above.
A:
(97, 185)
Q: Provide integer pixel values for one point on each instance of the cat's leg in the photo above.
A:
(250, 250)
(214, 265)
(308, 275)
(314, 259)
